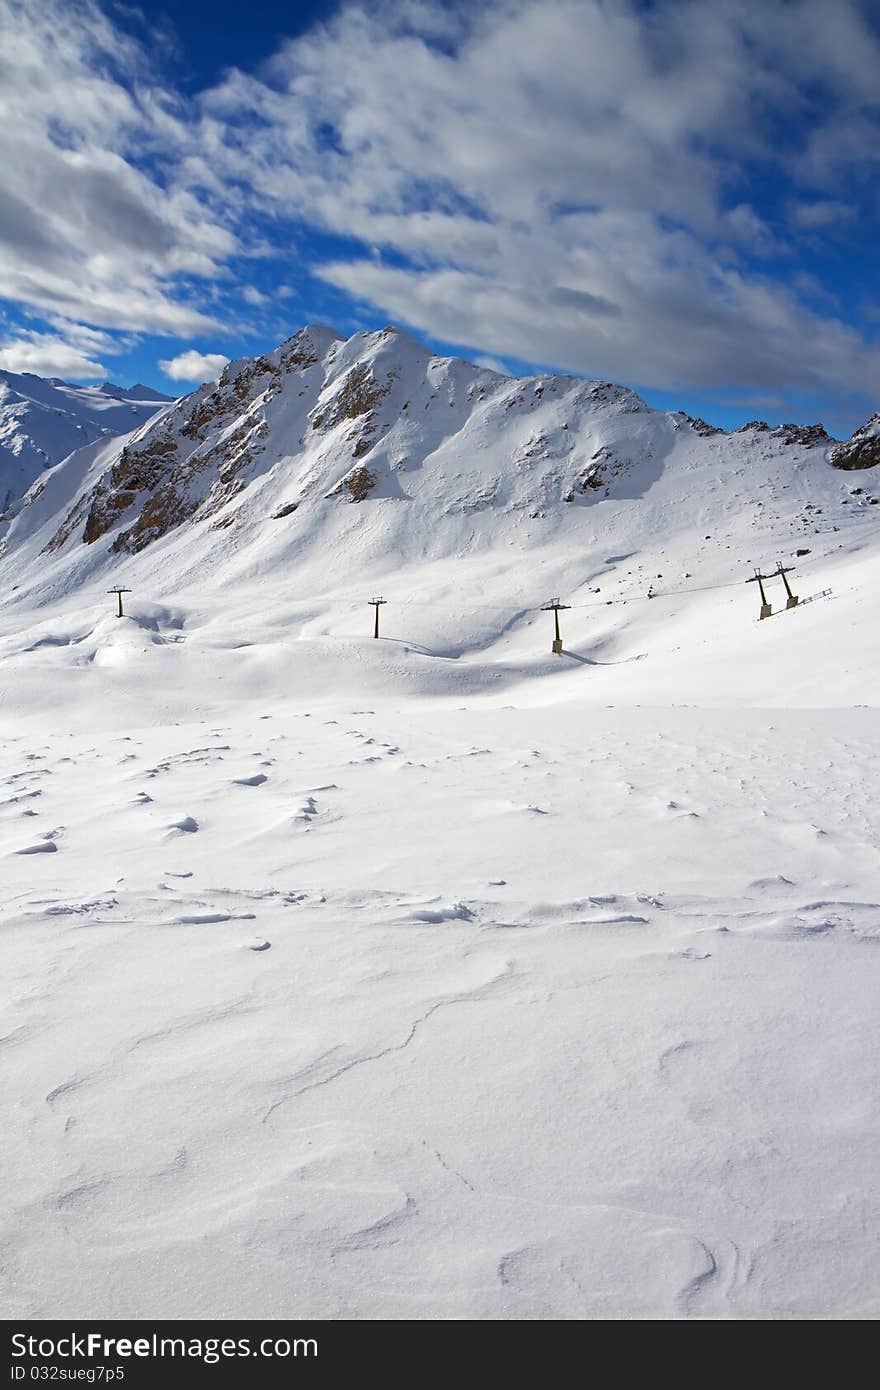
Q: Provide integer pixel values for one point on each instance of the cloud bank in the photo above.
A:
(630, 191)
(96, 223)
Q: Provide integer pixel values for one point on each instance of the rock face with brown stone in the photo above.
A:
(192, 462)
(862, 450)
(360, 482)
(204, 452)
(357, 397)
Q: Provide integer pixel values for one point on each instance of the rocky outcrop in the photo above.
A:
(357, 399)
(191, 463)
(360, 483)
(358, 396)
(807, 435)
(605, 468)
(862, 450)
(702, 427)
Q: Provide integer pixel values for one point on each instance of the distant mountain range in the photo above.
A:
(138, 393)
(43, 420)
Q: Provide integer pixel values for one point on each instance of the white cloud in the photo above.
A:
(46, 355)
(194, 366)
(85, 229)
(563, 181)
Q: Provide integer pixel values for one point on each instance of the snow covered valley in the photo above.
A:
(409, 1005)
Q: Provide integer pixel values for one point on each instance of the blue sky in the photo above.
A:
(674, 195)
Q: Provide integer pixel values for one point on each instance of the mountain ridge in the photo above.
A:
(371, 456)
(43, 419)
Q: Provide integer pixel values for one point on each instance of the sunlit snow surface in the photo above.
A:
(408, 1004)
(441, 977)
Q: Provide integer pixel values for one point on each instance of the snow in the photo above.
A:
(439, 976)
(42, 421)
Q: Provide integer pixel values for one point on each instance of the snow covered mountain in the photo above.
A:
(445, 456)
(443, 975)
(137, 393)
(43, 420)
(370, 461)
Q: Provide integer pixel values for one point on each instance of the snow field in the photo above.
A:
(397, 1010)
